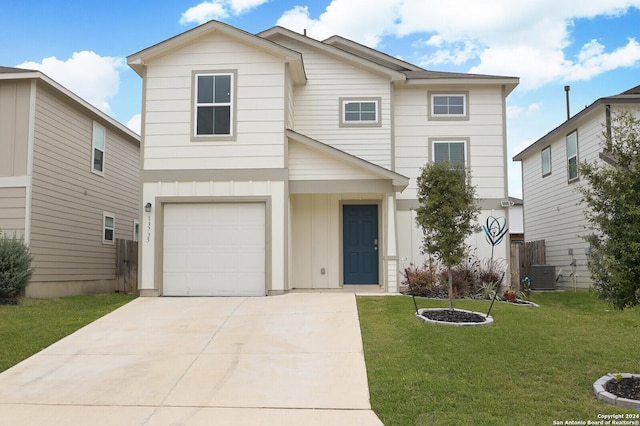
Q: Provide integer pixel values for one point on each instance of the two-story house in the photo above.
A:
(553, 210)
(274, 161)
(69, 183)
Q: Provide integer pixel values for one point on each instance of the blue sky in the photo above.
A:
(591, 45)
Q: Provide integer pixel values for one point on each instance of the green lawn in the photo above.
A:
(531, 367)
(35, 324)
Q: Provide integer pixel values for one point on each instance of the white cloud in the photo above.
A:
(217, 9)
(593, 60)
(502, 37)
(534, 107)
(363, 21)
(456, 53)
(135, 123)
(93, 77)
(514, 111)
(204, 12)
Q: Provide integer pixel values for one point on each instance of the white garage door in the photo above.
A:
(214, 249)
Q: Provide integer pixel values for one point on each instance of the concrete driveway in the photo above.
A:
(295, 359)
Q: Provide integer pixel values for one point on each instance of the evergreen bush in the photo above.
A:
(15, 266)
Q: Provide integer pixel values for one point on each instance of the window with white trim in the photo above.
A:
(546, 161)
(448, 105)
(572, 156)
(454, 152)
(98, 145)
(108, 228)
(213, 115)
(359, 112)
(136, 230)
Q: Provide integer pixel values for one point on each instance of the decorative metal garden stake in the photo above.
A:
(494, 233)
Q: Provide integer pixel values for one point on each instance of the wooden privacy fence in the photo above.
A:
(126, 266)
(523, 255)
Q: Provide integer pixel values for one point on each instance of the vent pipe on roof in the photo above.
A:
(305, 32)
(566, 89)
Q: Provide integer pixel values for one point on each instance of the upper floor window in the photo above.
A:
(448, 106)
(572, 156)
(98, 148)
(546, 161)
(214, 98)
(451, 151)
(359, 112)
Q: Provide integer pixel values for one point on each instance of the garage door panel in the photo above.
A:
(214, 249)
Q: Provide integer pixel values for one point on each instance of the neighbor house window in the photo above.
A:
(98, 148)
(448, 106)
(451, 151)
(572, 156)
(108, 228)
(358, 112)
(546, 161)
(214, 96)
(136, 230)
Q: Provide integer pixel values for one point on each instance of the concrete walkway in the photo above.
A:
(295, 359)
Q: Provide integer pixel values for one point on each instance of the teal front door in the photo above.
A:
(360, 243)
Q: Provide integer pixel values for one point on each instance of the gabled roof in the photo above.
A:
(139, 59)
(398, 181)
(10, 70)
(631, 96)
(363, 62)
(7, 73)
(381, 63)
(370, 54)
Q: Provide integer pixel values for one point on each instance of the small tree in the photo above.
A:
(15, 266)
(612, 195)
(446, 214)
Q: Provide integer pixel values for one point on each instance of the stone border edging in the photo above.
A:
(527, 303)
(488, 320)
(608, 397)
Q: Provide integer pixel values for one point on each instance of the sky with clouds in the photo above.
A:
(591, 45)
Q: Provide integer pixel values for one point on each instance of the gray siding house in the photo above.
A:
(69, 183)
(553, 210)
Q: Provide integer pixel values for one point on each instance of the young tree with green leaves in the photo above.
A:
(447, 213)
(612, 194)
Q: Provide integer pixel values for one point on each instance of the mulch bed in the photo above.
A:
(628, 387)
(446, 315)
(8, 301)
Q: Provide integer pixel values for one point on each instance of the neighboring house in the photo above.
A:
(69, 183)
(274, 162)
(516, 220)
(550, 178)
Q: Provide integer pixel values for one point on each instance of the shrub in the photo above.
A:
(15, 267)
(423, 281)
(464, 278)
(490, 275)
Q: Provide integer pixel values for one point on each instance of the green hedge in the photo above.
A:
(15, 266)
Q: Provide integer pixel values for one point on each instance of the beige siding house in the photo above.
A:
(69, 183)
(274, 162)
(553, 210)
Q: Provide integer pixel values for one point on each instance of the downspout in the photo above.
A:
(607, 114)
(566, 89)
(28, 208)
